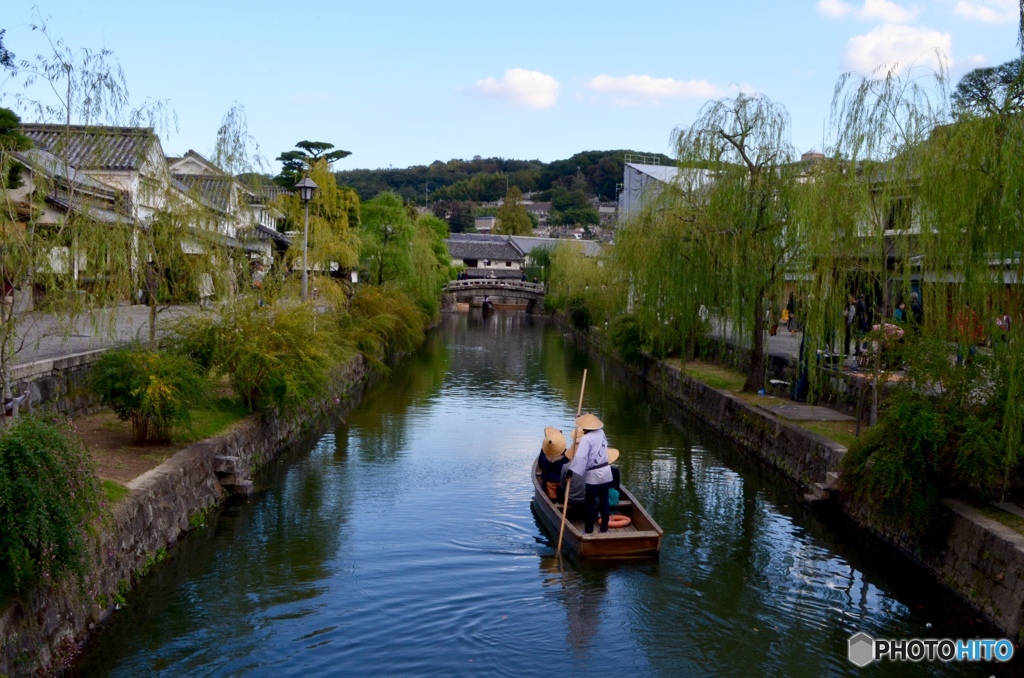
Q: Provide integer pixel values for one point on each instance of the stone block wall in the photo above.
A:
(984, 561)
(802, 455)
(43, 629)
(57, 384)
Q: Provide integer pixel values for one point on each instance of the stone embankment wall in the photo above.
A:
(802, 455)
(43, 629)
(976, 557)
(57, 384)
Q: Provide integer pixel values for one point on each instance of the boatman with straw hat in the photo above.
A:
(589, 462)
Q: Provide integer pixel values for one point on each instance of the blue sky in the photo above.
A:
(407, 83)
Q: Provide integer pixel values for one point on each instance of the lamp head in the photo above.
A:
(306, 188)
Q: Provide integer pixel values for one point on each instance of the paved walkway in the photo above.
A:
(784, 344)
(44, 337)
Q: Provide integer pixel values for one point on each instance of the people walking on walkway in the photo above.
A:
(916, 311)
(863, 323)
(850, 315)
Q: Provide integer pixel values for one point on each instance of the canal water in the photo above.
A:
(402, 543)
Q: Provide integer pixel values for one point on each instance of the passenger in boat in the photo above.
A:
(589, 462)
(551, 460)
(615, 491)
(577, 509)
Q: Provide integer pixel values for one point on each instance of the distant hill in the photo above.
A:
(485, 179)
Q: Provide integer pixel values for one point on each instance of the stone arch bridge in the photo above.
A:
(502, 291)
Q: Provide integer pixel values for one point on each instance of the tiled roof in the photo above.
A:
(264, 233)
(55, 168)
(106, 148)
(591, 248)
(496, 273)
(478, 246)
(214, 191)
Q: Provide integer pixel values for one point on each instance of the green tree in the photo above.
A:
(334, 214)
(513, 219)
(741, 216)
(386, 233)
(997, 90)
(458, 214)
(570, 207)
(431, 263)
(295, 164)
(6, 56)
(49, 496)
(152, 389)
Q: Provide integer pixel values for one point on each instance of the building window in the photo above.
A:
(508, 263)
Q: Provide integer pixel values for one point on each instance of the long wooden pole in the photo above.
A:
(568, 481)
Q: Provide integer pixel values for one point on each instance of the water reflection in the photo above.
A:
(581, 592)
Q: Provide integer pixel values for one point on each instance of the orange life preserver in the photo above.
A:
(619, 521)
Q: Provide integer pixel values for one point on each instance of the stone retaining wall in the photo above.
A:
(41, 631)
(976, 557)
(802, 455)
(57, 384)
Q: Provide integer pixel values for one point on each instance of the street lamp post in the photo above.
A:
(306, 189)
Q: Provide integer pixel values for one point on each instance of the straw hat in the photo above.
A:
(554, 443)
(589, 422)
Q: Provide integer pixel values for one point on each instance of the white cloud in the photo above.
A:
(834, 8)
(877, 10)
(520, 87)
(637, 90)
(890, 43)
(989, 11)
(884, 10)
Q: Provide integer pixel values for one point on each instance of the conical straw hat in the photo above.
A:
(589, 422)
(613, 455)
(554, 443)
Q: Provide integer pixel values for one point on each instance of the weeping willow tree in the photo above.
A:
(333, 225)
(939, 190)
(860, 208)
(740, 238)
(431, 264)
(973, 194)
(655, 253)
(386, 232)
(591, 292)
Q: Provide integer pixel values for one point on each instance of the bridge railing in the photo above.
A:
(495, 284)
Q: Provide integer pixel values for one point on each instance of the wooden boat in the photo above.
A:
(640, 539)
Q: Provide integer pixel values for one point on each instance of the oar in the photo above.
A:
(568, 481)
